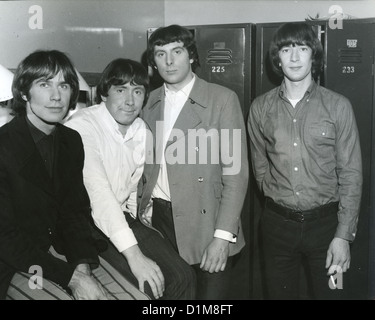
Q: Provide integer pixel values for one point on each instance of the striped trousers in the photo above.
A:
(117, 287)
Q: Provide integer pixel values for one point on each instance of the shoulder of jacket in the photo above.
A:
(155, 94)
(213, 87)
(69, 132)
(7, 129)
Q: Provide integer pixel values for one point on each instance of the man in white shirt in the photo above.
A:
(196, 194)
(114, 139)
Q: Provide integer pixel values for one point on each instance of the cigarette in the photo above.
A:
(333, 281)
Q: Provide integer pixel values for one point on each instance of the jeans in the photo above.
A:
(287, 246)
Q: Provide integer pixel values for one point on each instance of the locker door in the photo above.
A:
(349, 71)
(225, 56)
(266, 79)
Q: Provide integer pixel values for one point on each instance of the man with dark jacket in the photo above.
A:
(44, 206)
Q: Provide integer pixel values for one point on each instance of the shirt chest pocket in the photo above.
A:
(324, 134)
(321, 146)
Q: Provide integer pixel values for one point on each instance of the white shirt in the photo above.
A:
(113, 166)
(174, 102)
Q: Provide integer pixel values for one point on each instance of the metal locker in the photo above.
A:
(226, 58)
(349, 71)
(225, 55)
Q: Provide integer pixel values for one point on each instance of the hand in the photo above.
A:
(338, 256)
(84, 267)
(145, 269)
(215, 256)
(85, 287)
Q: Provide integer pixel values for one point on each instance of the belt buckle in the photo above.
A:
(297, 215)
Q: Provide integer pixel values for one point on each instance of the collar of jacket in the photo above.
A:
(198, 94)
(31, 165)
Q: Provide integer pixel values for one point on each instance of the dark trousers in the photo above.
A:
(214, 286)
(210, 286)
(288, 245)
(180, 279)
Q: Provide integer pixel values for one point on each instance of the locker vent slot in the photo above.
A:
(219, 56)
(350, 55)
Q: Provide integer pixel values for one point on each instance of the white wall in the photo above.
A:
(94, 32)
(193, 12)
(91, 32)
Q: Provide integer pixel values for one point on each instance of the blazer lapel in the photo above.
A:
(189, 117)
(32, 167)
(155, 116)
(156, 111)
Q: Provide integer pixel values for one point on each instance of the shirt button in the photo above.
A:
(203, 211)
(323, 133)
(297, 193)
(294, 120)
(200, 179)
(295, 144)
(197, 149)
(295, 168)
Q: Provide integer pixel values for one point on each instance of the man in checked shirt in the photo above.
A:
(306, 159)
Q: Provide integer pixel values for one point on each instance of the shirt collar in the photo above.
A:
(37, 134)
(134, 128)
(185, 90)
(113, 126)
(309, 90)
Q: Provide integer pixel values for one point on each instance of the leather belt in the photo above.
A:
(299, 215)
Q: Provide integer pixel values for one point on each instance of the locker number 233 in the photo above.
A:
(348, 69)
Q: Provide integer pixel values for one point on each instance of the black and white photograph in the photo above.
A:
(187, 155)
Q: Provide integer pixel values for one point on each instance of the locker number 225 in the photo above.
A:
(218, 69)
